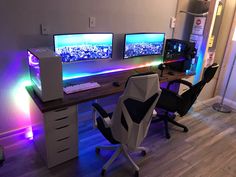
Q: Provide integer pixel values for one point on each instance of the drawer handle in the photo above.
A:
(62, 118)
(62, 109)
(62, 139)
(62, 127)
(63, 150)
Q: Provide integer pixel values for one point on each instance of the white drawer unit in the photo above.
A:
(55, 133)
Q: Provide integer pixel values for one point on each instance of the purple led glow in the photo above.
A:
(34, 69)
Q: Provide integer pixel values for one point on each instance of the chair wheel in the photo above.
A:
(136, 174)
(143, 153)
(168, 136)
(185, 129)
(103, 172)
(97, 150)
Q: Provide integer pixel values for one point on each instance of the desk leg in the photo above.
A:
(94, 115)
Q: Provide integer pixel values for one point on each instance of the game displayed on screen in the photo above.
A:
(143, 44)
(79, 47)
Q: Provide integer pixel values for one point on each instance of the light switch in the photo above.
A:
(92, 22)
(44, 29)
(172, 22)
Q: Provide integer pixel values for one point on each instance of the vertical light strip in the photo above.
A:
(234, 37)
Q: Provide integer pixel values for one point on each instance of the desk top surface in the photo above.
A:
(106, 89)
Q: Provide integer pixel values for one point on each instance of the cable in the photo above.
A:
(195, 14)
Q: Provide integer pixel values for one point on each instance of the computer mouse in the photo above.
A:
(116, 84)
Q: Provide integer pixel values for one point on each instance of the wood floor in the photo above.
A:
(207, 150)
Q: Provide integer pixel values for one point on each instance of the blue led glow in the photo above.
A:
(76, 47)
(80, 75)
(143, 44)
(199, 67)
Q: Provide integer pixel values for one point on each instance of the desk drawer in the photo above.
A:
(65, 139)
(60, 114)
(58, 123)
(62, 149)
(59, 152)
(61, 135)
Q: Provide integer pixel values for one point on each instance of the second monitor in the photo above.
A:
(143, 44)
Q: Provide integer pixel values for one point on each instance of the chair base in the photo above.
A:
(170, 119)
(222, 108)
(118, 150)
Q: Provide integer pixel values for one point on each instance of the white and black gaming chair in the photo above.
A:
(128, 125)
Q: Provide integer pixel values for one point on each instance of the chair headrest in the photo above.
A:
(140, 74)
(210, 72)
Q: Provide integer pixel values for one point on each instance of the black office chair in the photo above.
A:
(128, 125)
(172, 102)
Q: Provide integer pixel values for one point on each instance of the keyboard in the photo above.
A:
(81, 87)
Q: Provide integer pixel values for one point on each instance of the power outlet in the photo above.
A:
(172, 22)
(44, 29)
(92, 22)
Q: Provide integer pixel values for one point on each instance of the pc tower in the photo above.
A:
(46, 73)
(178, 54)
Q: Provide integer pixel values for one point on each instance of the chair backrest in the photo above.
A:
(133, 113)
(190, 96)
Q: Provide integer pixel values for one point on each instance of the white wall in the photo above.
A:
(227, 45)
(20, 29)
(231, 91)
(230, 57)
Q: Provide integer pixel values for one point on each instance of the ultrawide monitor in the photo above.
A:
(80, 47)
(143, 44)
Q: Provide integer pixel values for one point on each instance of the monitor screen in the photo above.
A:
(177, 49)
(80, 47)
(143, 44)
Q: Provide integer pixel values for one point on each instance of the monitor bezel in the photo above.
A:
(144, 33)
(97, 59)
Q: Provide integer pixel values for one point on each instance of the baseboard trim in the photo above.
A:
(16, 132)
(230, 103)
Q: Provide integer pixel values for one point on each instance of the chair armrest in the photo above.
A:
(100, 110)
(102, 113)
(180, 82)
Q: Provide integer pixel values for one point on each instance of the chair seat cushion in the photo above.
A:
(106, 131)
(169, 101)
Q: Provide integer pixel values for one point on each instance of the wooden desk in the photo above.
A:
(55, 123)
(106, 89)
